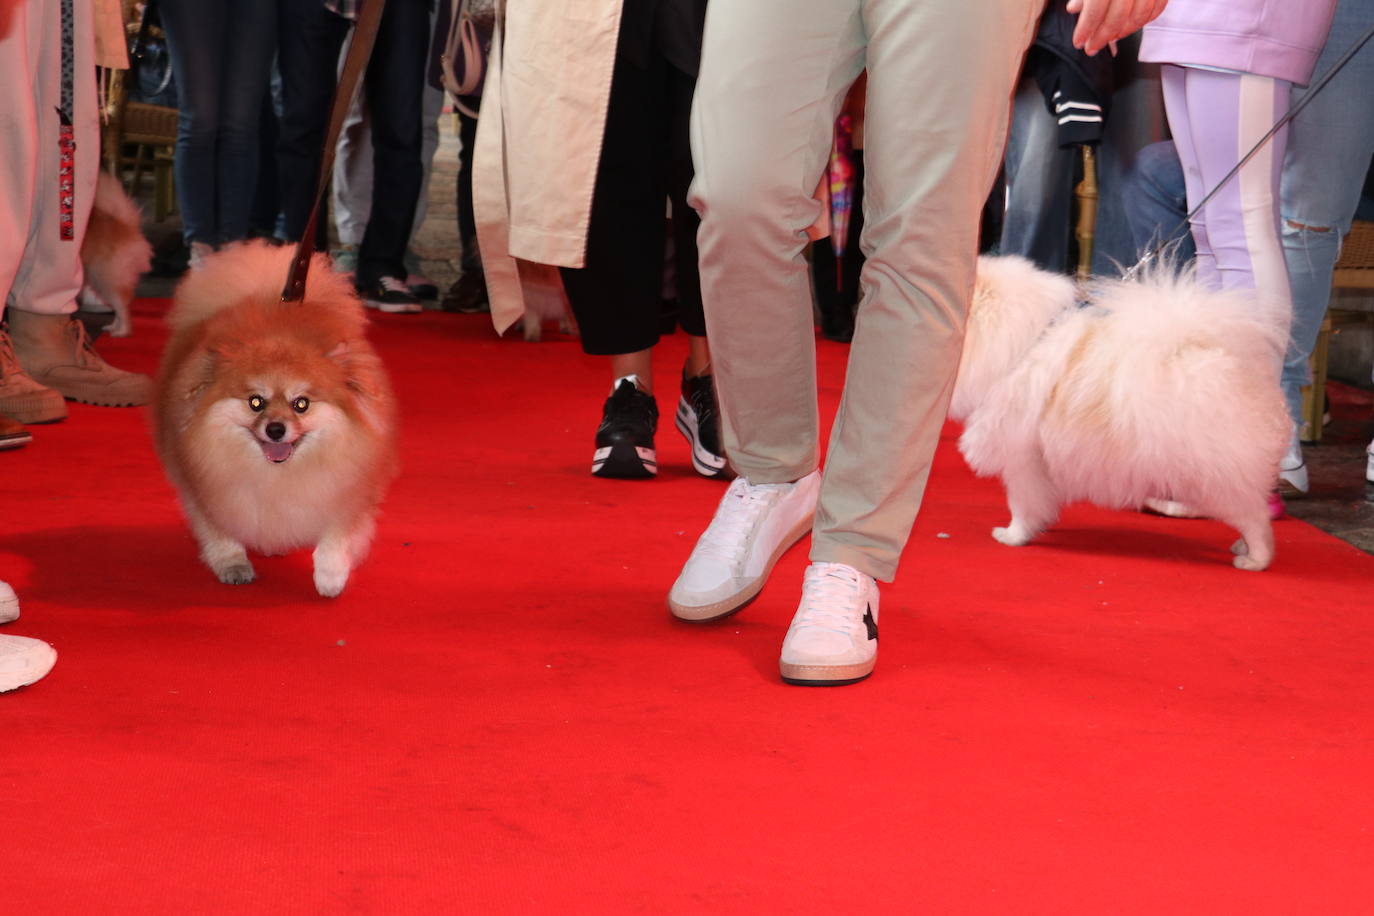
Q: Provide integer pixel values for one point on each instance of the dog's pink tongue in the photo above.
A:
(277, 451)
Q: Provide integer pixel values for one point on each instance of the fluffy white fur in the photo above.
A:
(114, 253)
(545, 300)
(1157, 387)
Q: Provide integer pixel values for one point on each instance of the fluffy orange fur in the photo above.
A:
(114, 253)
(275, 421)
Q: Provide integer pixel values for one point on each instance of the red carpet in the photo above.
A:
(498, 715)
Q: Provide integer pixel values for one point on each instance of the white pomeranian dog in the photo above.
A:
(1156, 388)
(114, 254)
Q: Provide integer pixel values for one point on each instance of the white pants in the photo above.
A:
(39, 271)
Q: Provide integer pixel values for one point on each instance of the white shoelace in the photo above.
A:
(394, 285)
(740, 510)
(830, 597)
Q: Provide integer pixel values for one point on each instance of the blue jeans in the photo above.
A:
(1154, 196)
(222, 57)
(1329, 147)
(1039, 219)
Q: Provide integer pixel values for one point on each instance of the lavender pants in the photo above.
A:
(1216, 118)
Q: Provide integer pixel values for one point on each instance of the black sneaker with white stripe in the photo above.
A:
(699, 421)
(390, 294)
(625, 438)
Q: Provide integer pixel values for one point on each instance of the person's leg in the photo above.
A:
(50, 345)
(1330, 143)
(1174, 82)
(21, 47)
(352, 183)
(200, 48)
(469, 292)
(615, 295)
(697, 415)
(773, 75)
(1227, 114)
(395, 88)
(244, 76)
(931, 158)
(431, 107)
(1039, 175)
(308, 52)
(1154, 198)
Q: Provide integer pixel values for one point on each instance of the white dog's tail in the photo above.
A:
(251, 270)
(1164, 303)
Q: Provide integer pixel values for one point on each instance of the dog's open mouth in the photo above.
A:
(277, 452)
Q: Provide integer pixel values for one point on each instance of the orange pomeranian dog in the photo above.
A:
(275, 421)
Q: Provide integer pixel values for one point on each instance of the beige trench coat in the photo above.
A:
(539, 139)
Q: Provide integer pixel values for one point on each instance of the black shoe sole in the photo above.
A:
(625, 462)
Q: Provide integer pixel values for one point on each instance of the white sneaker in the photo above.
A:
(1293, 471)
(23, 661)
(9, 603)
(752, 528)
(833, 639)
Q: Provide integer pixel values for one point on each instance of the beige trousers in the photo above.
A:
(40, 272)
(773, 76)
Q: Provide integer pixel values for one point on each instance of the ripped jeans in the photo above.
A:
(1330, 143)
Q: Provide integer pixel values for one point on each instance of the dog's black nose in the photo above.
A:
(275, 431)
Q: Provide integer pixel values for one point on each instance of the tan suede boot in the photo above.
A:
(12, 434)
(21, 398)
(55, 351)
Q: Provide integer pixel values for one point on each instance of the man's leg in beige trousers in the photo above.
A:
(773, 76)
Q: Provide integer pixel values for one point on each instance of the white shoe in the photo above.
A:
(833, 639)
(752, 528)
(23, 661)
(1293, 471)
(9, 603)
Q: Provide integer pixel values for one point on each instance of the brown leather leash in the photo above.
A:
(359, 50)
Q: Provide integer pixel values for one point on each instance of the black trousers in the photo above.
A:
(646, 159)
(311, 38)
(467, 223)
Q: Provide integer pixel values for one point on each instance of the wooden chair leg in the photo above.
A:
(1314, 395)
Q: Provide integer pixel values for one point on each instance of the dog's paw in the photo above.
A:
(237, 574)
(1012, 536)
(330, 584)
(1249, 563)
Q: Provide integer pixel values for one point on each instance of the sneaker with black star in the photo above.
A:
(833, 639)
(625, 438)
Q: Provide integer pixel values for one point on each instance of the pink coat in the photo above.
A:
(1278, 38)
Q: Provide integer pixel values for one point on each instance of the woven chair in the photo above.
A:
(1354, 270)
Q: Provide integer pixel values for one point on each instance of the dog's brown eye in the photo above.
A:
(300, 405)
(256, 403)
